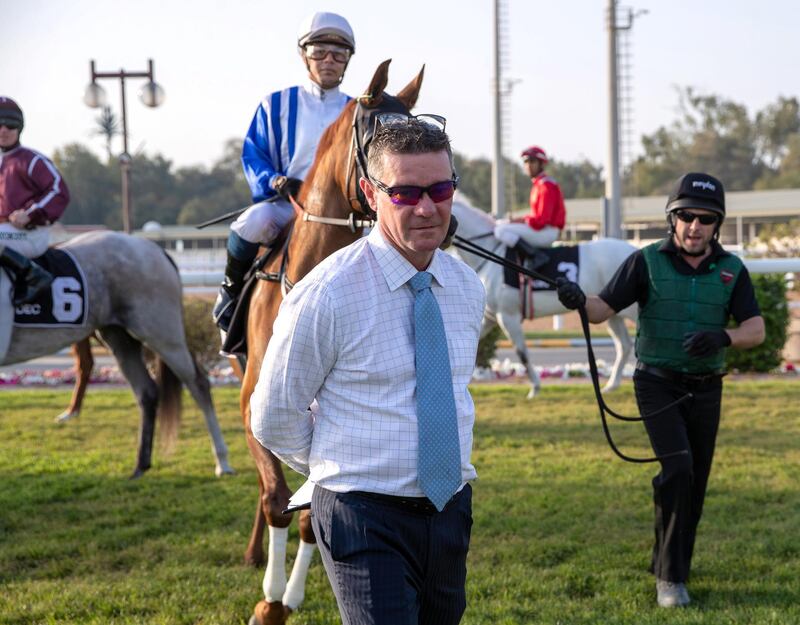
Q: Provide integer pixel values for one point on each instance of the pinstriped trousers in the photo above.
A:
(391, 565)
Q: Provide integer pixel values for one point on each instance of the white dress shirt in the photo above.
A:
(344, 337)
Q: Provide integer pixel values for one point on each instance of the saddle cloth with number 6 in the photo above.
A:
(66, 301)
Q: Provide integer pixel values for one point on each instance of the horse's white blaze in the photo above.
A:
(296, 588)
(598, 262)
(275, 575)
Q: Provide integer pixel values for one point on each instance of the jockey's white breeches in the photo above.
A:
(510, 233)
(263, 222)
(30, 243)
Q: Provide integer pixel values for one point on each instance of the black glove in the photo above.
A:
(287, 186)
(570, 294)
(705, 343)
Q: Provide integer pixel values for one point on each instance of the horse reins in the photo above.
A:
(470, 247)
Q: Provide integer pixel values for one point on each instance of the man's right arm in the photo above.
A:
(299, 356)
(597, 310)
(259, 168)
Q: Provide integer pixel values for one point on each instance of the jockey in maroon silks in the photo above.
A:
(32, 196)
(543, 225)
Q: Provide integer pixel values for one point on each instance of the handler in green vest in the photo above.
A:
(687, 288)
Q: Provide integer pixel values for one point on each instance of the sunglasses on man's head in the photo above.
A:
(410, 195)
(688, 217)
(317, 52)
(10, 125)
(389, 119)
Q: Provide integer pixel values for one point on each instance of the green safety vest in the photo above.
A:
(677, 304)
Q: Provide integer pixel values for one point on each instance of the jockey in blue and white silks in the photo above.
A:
(282, 141)
(280, 146)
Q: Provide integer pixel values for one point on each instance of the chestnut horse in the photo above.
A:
(329, 194)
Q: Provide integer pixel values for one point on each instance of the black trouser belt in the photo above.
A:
(416, 504)
(686, 379)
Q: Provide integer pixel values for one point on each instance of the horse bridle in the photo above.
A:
(356, 168)
(468, 245)
(357, 165)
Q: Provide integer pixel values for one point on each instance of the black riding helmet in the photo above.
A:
(697, 190)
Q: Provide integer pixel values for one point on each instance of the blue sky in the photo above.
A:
(217, 59)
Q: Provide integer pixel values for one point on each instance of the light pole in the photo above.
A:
(152, 95)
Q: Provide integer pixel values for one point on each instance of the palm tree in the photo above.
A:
(108, 127)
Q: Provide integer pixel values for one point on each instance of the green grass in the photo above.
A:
(562, 528)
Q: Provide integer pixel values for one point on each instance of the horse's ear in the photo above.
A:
(378, 83)
(410, 92)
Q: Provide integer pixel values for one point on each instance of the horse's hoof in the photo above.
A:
(272, 613)
(139, 472)
(219, 471)
(66, 416)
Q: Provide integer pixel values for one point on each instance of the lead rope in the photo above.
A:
(472, 248)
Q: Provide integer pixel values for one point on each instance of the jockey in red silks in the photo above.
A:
(32, 196)
(545, 222)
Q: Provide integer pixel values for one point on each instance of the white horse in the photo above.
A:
(598, 260)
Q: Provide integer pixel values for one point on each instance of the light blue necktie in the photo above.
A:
(439, 462)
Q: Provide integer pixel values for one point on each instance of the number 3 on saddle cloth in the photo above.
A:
(64, 304)
(562, 261)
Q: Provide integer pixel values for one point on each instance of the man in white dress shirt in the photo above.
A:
(345, 337)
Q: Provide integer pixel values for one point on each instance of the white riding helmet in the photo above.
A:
(326, 27)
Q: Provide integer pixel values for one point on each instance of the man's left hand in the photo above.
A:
(19, 219)
(705, 343)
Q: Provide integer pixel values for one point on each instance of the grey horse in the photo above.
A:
(134, 299)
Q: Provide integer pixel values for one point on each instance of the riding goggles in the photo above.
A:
(318, 51)
(10, 124)
(410, 195)
(389, 119)
(688, 217)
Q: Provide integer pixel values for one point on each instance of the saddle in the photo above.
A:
(65, 302)
(562, 261)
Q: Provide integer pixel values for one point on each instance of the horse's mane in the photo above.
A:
(472, 217)
(327, 140)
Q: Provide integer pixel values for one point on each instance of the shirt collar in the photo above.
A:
(318, 92)
(395, 267)
(668, 245)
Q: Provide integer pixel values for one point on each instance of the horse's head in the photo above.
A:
(342, 151)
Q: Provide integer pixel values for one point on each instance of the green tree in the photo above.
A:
(712, 134)
(776, 126)
(94, 187)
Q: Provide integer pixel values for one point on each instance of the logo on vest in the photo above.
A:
(726, 276)
(29, 309)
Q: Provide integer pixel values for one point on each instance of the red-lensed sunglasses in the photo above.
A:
(410, 195)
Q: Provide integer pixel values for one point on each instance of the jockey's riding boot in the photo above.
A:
(29, 278)
(229, 291)
(534, 257)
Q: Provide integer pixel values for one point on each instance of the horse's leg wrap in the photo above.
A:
(275, 576)
(296, 589)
